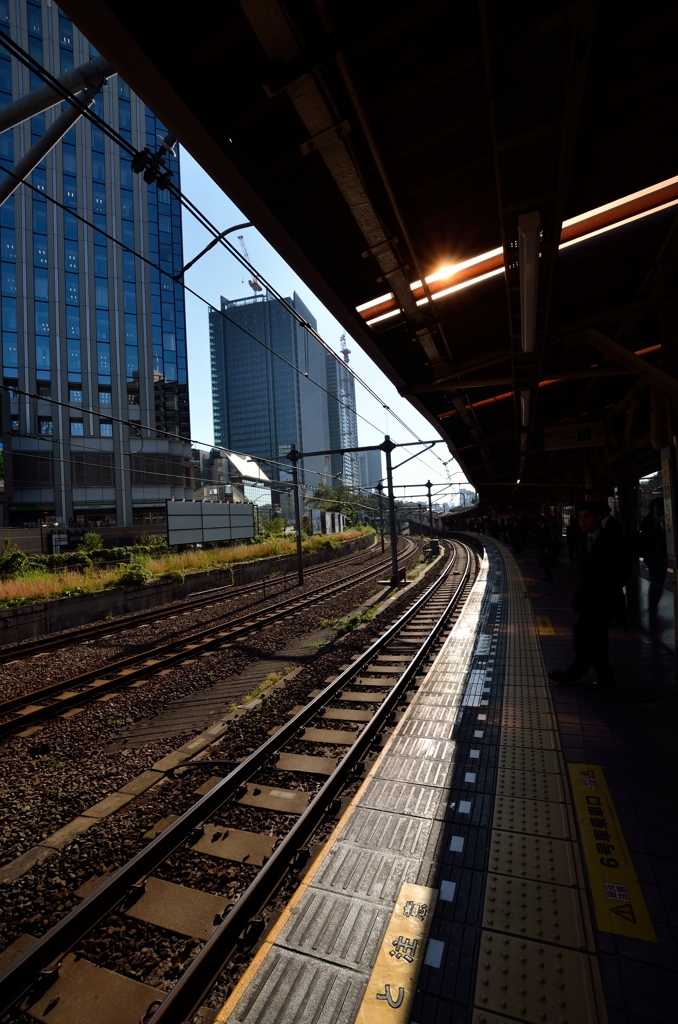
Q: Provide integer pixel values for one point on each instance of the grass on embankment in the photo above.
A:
(40, 585)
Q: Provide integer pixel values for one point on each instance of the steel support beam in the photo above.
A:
(91, 75)
(636, 365)
(42, 147)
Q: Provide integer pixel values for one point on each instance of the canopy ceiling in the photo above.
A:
(375, 143)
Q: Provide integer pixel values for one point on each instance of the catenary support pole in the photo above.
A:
(380, 489)
(42, 147)
(293, 456)
(91, 75)
(430, 509)
(388, 447)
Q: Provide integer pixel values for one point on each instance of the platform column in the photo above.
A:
(388, 447)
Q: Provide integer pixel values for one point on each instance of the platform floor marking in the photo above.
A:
(393, 981)
(617, 895)
(533, 846)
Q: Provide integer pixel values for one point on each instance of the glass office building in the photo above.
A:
(262, 406)
(85, 322)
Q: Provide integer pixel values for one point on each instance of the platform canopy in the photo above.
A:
(482, 193)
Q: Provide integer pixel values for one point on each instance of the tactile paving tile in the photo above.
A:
(409, 746)
(434, 713)
(529, 759)
(530, 785)
(531, 698)
(328, 925)
(534, 982)
(403, 798)
(375, 874)
(291, 986)
(536, 910)
(414, 769)
(526, 718)
(538, 738)
(536, 817)
(537, 857)
(378, 830)
(430, 730)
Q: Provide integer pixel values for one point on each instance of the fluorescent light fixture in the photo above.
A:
(524, 408)
(375, 302)
(587, 225)
(528, 261)
(384, 316)
(456, 268)
(458, 287)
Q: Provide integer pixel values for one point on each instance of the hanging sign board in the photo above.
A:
(195, 522)
(574, 435)
(669, 530)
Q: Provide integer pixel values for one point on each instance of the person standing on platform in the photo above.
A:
(653, 553)
(574, 538)
(545, 547)
(604, 568)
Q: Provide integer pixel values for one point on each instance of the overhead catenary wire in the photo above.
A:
(169, 435)
(25, 58)
(188, 204)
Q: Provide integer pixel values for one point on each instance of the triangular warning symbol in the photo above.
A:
(589, 773)
(625, 910)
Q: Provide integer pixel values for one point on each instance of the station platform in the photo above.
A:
(507, 858)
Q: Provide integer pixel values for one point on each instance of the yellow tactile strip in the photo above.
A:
(536, 960)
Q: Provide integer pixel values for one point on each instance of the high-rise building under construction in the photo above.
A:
(343, 418)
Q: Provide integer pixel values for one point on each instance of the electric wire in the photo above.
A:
(157, 430)
(26, 59)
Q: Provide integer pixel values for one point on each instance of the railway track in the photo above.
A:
(47, 974)
(205, 599)
(21, 712)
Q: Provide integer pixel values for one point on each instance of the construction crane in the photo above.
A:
(254, 284)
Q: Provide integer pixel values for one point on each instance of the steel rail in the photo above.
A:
(194, 985)
(155, 659)
(26, 648)
(39, 964)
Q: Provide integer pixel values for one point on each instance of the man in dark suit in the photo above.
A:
(545, 543)
(604, 568)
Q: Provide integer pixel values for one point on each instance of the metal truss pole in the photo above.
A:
(430, 508)
(388, 447)
(380, 489)
(293, 456)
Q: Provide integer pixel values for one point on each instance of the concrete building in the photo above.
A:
(84, 322)
(342, 419)
(262, 405)
(371, 469)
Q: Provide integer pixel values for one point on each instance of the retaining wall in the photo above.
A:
(65, 612)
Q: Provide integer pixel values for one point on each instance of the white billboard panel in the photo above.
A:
(195, 522)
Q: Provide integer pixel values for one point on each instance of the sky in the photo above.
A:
(218, 273)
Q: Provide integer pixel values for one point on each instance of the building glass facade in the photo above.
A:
(262, 406)
(85, 322)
